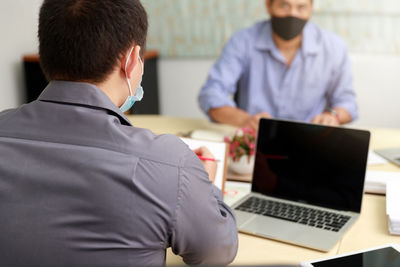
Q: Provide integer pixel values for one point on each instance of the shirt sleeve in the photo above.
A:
(342, 93)
(225, 74)
(204, 229)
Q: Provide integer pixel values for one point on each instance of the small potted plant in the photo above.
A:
(241, 150)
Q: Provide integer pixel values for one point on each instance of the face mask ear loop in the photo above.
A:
(141, 61)
(126, 72)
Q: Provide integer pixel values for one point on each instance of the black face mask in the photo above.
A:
(288, 28)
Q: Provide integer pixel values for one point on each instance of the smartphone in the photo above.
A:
(387, 256)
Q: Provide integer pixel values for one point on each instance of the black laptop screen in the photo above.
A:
(313, 164)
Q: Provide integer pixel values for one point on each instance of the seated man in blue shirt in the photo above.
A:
(286, 67)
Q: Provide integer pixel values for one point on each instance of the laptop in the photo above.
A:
(391, 154)
(308, 183)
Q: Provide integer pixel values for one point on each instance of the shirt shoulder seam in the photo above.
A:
(178, 200)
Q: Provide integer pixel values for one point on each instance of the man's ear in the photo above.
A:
(268, 6)
(130, 60)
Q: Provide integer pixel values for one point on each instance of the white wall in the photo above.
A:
(377, 84)
(18, 31)
(180, 81)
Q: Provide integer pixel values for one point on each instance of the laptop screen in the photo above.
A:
(313, 164)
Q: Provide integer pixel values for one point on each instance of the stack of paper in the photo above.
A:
(376, 181)
(392, 206)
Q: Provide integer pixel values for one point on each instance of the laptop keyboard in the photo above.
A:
(308, 216)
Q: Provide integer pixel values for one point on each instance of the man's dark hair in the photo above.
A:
(82, 40)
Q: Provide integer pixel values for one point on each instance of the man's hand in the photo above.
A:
(237, 117)
(253, 121)
(209, 165)
(326, 118)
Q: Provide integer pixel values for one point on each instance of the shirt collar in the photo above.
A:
(265, 41)
(79, 93)
(311, 43)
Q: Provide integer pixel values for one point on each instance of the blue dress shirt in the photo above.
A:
(251, 65)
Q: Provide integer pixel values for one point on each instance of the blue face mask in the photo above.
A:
(139, 91)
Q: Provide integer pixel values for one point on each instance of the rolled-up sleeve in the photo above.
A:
(224, 75)
(204, 229)
(341, 93)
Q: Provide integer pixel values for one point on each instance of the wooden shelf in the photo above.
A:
(150, 54)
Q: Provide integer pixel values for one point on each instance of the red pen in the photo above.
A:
(207, 159)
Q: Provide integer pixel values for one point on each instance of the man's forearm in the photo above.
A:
(229, 115)
(343, 115)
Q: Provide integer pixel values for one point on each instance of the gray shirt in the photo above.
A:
(80, 186)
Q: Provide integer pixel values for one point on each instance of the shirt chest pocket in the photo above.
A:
(311, 96)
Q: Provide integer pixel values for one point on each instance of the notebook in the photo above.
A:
(220, 152)
(308, 183)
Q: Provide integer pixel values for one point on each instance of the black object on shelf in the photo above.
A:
(150, 102)
(35, 83)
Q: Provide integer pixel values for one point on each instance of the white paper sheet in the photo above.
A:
(218, 149)
(393, 198)
(392, 206)
(375, 159)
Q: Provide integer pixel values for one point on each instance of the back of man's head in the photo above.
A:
(82, 40)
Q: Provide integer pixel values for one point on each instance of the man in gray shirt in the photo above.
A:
(81, 186)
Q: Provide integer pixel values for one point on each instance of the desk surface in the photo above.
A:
(370, 230)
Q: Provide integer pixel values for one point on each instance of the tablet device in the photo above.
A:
(388, 256)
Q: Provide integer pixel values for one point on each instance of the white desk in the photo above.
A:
(369, 231)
